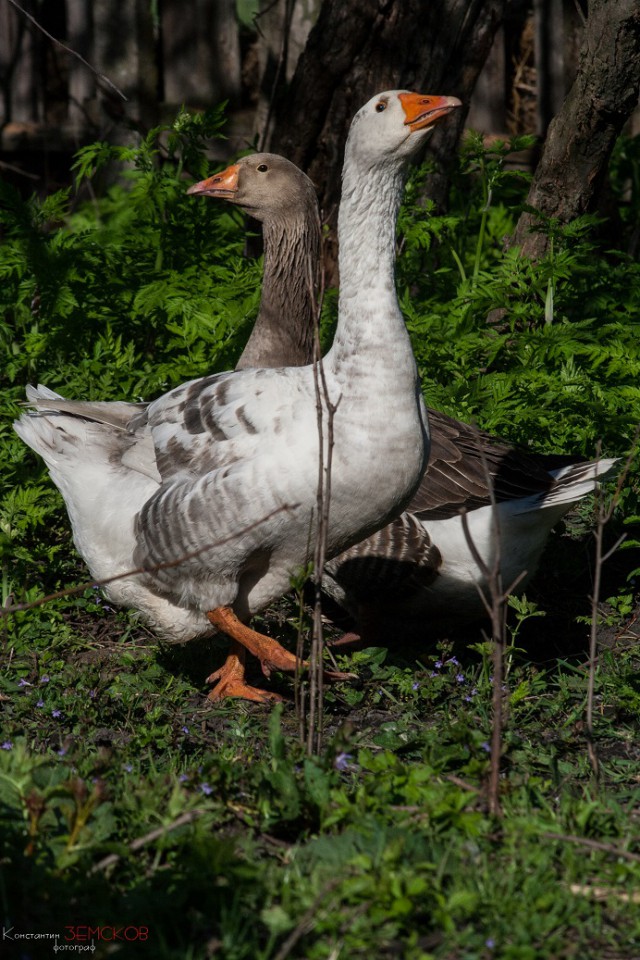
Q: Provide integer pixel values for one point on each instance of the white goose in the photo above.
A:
(417, 574)
(212, 487)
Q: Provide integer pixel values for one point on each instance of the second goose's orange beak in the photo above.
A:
(224, 185)
(423, 111)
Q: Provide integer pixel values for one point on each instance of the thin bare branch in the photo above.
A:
(604, 512)
(280, 71)
(603, 893)
(615, 547)
(593, 845)
(307, 921)
(325, 408)
(22, 173)
(73, 53)
(141, 842)
(495, 605)
(166, 565)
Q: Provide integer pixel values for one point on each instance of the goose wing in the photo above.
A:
(388, 566)
(465, 461)
(217, 421)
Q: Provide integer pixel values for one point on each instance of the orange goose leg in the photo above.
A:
(231, 682)
(270, 653)
(367, 631)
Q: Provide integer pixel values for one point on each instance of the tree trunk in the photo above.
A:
(605, 92)
(82, 82)
(125, 52)
(21, 93)
(200, 52)
(360, 47)
(283, 29)
(549, 57)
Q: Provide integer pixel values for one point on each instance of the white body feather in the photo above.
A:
(193, 479)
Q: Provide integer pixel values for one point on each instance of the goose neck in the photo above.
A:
(367, 230)
(283, 332)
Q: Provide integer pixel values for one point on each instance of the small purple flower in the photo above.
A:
(183, 777)
(434, 674)
(485, 746)
(206, 789)
(40, 703)
(438, 664)
(128, 767)
(45, 679)
(490, 943)
(56, 713)
(343, 761)
(415, 685)
(23, 683)
(7, 745)
(93, 694)
(185, 729)
(454, 661)
(460, 677)
(61, 752)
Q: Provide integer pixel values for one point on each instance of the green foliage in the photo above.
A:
(565, 338)
(127, 798)
(221, 816)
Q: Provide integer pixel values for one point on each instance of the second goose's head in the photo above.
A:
(264, 184)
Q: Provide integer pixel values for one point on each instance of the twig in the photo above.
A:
(603, 515)
(592, 844)
(306, 923)
(323, 500)
(22, 173)
(580, 13)
(280, 68)
(495, 605)
(73, 53)
(167, 564)
(140, 842)
(603, 893)
(459, 782)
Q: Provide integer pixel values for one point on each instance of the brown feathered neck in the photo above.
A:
(283, 332)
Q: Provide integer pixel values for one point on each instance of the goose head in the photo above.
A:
(264, 184)
(393, 125)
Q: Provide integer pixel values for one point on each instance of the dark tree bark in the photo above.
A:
(201, 64)
(360, 47)
(22, 99)
(283, 29)
(82, 82)
(124, 50)
(568, 177)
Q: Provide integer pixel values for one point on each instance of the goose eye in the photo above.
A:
(262, 168)
(380, 106)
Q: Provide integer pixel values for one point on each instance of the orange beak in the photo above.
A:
(222, 185)
(422, 111)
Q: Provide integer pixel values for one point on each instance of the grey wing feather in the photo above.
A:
(389, 565)
(464, 461)
(116, 414)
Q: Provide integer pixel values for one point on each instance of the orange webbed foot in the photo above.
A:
(230, 682)
(270, 653)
